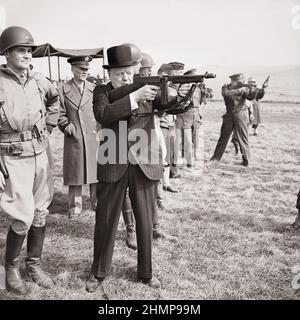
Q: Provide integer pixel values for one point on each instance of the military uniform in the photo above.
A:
(256, 106)
(236, 118)
(168, 125)
(77, 122)
(186, 123)
(29, 106)
(29, 189)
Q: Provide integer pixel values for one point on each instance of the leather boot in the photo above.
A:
(236, 148)
(296, 224)
(245, 162)
(130, 232)
(13, 280)
(131, 238)
(35, 243)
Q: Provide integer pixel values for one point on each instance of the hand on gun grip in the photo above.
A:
(147, 92)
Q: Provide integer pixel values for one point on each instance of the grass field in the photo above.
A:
(230, 222)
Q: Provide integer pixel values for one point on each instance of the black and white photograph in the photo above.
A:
(149, 151)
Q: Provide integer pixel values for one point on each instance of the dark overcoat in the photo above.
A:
(79, 160)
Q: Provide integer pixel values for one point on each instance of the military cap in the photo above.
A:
(191, 71)
(177, 65)
(237, 77)
(121, 56)
(166, 68)
(80, 61)
(147, 61)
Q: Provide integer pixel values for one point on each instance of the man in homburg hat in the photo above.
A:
(128, 156)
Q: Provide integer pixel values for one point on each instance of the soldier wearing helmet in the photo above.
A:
(29, 107)
(147, 64)
(256, 120)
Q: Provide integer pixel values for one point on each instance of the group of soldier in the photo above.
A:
(31, 107)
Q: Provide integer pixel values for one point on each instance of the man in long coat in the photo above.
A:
(77, 122)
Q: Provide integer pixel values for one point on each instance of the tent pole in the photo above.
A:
(49, 63)
(58, 66)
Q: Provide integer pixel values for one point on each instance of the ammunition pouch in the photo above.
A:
(25, 143)
(40, 130)
(15, 149)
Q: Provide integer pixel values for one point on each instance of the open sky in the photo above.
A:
(198, 32)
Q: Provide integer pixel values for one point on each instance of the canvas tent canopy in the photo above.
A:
(47, 50)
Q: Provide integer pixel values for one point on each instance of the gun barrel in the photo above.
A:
(190, 79)
(154, 80)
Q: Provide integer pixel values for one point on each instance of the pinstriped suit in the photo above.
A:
(142, 179)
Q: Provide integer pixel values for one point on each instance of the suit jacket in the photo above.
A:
(79, 162)
(125, 125)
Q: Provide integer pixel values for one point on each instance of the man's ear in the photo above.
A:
(6, 53)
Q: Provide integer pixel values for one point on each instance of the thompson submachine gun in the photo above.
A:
(160, 81)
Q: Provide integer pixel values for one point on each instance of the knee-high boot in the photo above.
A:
(13, 278)
(130, 230)
(35, 241)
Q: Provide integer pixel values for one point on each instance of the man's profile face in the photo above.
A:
(145, 72)
(121, 76)
(238, 81)
(19, 57)
(177, 72)
(252, 83)
(79, 73)
(137, 68)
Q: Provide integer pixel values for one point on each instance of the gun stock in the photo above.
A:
(119, 93)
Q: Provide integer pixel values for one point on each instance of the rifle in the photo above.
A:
(159, 81)
(266, 83)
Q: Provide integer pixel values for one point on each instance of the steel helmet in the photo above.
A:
(15, 36)
(251, 80)
(147, 61)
